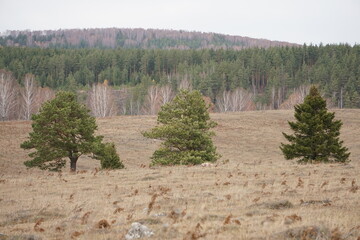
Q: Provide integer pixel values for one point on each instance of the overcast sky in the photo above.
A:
(298, 21)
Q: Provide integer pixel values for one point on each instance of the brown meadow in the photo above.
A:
(250, 193)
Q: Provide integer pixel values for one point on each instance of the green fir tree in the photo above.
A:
(316, 133)
(184, 126)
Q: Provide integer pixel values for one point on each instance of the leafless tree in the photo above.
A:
(240, 99)
(273, 94)
(8, 95)
(101, 101)
(279, 97)
(297, 97)
(152, 103)
(234, 101)
(47, 94)
(166, 94)
(44, 94)
(185, 83)
(28, 95)
(224, 101)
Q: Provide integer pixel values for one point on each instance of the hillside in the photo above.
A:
(251, 193)
(132, 38)
(270, 76)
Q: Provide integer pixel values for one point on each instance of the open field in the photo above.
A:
(251, 193)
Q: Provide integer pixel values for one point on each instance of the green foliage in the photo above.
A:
(262, 71)
(316, 133)
(62, 128)
(184, 126)
(108, 156)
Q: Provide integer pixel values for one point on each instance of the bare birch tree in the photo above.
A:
(297, 97)
(44, 94)
(101, 101)
(166, 94)
(240, 99)
(185, 83)
(273, 92)
(223, 101)
(28, 95)
(153, 100)
(8, 95)
(234, 101)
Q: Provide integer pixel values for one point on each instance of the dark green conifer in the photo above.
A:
(316, 133)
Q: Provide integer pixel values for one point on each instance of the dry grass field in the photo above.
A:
(251, 193)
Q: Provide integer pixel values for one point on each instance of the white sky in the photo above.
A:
(298, 21)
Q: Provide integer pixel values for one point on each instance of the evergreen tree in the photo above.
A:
(107, 155)
(62, 128)
(316, 137)
(184, 125)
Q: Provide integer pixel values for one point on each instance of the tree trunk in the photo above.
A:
(73, 161)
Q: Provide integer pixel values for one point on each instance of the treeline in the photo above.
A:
(131, 38)
(266, 76)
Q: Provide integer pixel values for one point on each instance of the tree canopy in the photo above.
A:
(270, 74)
(184, 126)
(63, 128)
(316, 133)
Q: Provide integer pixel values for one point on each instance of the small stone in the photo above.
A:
(207, 164)
(138, 230)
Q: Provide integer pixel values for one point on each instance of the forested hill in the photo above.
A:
(269, 75)
(132, 38)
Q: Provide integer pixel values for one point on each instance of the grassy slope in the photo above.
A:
(228, 200)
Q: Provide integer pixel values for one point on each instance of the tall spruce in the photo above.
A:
(63, 129)
(316, 133)
(184, 126)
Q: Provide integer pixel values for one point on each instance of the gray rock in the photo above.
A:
(138, 230)
(162, 214)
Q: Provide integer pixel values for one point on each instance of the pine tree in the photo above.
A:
(316, 133)
(184, 124)
(63, 128)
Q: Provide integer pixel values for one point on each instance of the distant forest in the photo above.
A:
(269, 75)
(132, 38)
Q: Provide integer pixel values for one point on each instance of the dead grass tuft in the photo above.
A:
(300, 183)
(227, 219)
(283, 204)
(76, 234)
(85, 218)
(354, 187)
(292, 219)
(102, 224)
(324, 184)
(336, 234)
(118, 210)
(325, 202)
(195, 234)
(37, 227)
(343, 180)
(151, 203)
